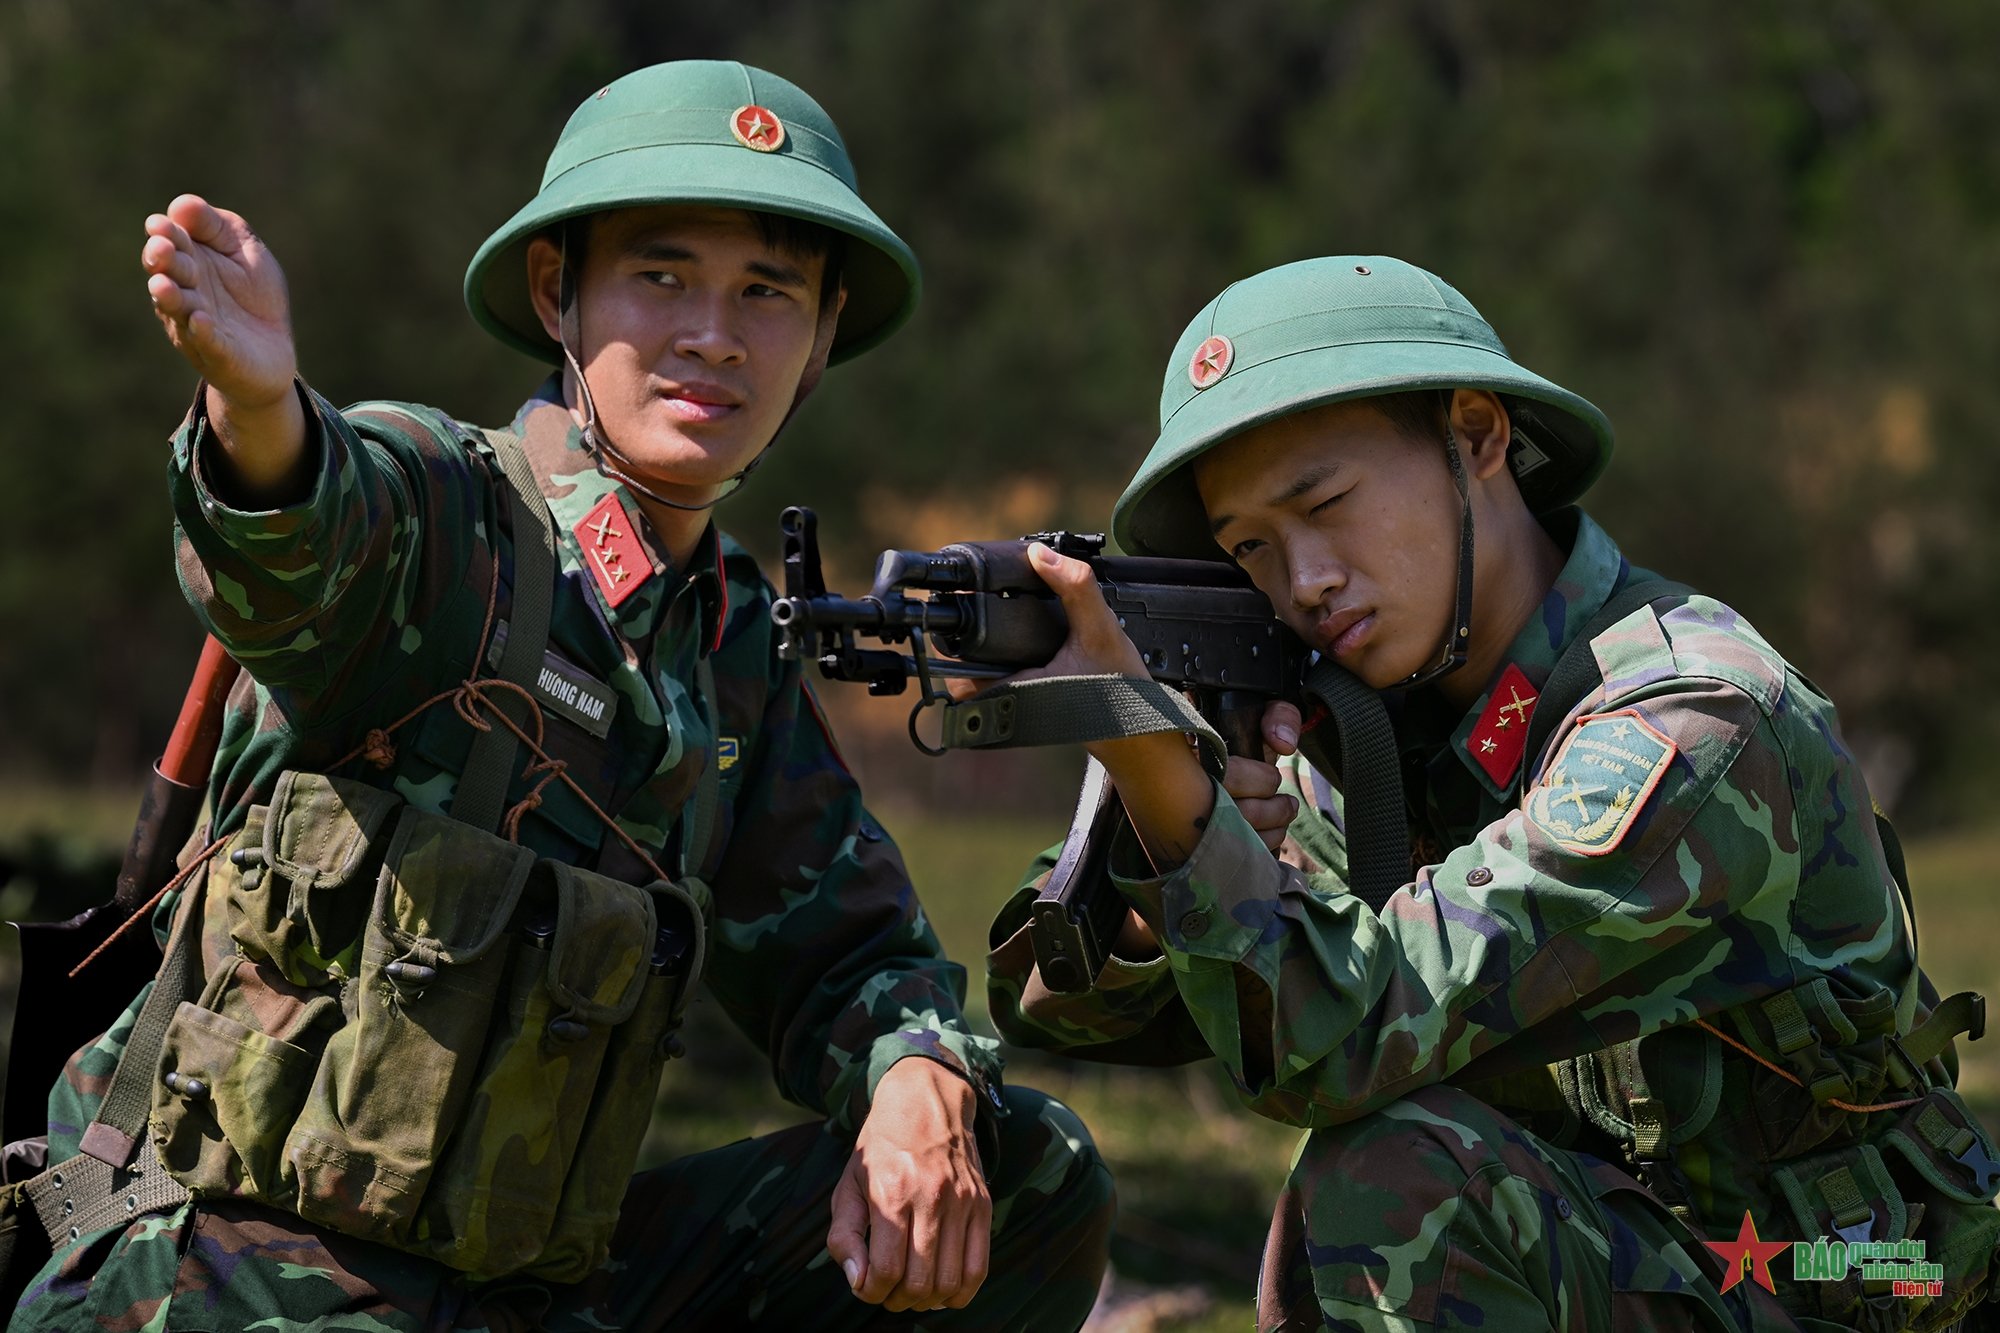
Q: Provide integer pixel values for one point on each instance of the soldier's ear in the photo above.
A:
(1480, 421)
(545, 284)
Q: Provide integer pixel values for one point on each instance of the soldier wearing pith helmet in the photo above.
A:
(1648, 993)
(513, 768)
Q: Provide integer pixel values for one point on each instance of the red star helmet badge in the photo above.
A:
(1501, 734)
(611, 548)
(755, 127)
(1211, 361)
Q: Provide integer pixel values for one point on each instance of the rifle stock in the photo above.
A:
(70, 1012)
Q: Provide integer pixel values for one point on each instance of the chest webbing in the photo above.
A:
(1645, 1118)
(116, 1175)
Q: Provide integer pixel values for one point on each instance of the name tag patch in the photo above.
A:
(565, 688)
(1598, 782)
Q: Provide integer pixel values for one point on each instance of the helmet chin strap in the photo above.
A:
(1459, 635)
(612, 461)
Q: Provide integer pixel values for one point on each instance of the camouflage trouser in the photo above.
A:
(727, 1239)
(1439, 1212)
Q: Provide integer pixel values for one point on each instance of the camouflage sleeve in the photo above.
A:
(1646, 880)
(1132, 1014)
(331, 602)
(821, 951)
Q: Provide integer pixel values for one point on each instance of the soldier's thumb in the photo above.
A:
(1073, 583)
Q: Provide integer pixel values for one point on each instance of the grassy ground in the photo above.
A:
(1197, 1174)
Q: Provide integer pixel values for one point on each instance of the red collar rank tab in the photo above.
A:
(1501, 735)
(612, 549)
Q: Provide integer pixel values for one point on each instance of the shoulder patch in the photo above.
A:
(1599, 781)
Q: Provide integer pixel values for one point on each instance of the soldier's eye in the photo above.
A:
(1330, 501)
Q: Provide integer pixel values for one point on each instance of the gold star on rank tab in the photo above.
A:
(1487, 746)
(608, 560)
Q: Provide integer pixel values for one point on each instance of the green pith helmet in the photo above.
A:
(700, 132)
(1323, 330)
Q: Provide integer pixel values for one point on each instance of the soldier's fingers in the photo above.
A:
(1270, 817)
(160, 256)
(948, 1255)
(846, 1239)
(1072, 582)
(168, 230)
(888, 1250)
(1249, 777)
(978, 1248)
(918, 1289)
(1282, 724)
(172, 300)
(201, 220)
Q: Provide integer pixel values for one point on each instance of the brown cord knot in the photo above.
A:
(377, 748)
(550, 769)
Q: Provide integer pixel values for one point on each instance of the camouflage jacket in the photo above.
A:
(355, 606)
(1695, 840)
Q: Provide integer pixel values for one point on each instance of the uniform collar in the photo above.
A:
(634, 584)
(1491, 737)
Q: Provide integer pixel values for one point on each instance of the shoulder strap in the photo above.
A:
(120, 1125)
(1370, 777)
(482, 787)
(1576, 672)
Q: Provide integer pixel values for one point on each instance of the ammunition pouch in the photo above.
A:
(1807, 1143)
(416, 1033)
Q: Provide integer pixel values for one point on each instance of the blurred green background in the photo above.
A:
(1761, 237)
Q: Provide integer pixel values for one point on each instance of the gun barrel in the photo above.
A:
(832, 613)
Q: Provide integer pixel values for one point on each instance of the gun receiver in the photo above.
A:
(979, 610)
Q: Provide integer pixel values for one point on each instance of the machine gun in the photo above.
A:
(979, 610)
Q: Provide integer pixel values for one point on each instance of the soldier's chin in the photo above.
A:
(1380, 671)
(673, 459)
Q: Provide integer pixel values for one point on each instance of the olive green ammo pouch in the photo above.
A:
(400, 1026)
(466, 1077)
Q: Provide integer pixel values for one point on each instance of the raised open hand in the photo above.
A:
(221, 295)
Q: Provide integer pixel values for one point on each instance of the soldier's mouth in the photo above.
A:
(696, 403)
(1344, 632)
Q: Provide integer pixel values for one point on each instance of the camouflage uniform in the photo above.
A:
(355, 612)
(1695, 843)
(354, 607)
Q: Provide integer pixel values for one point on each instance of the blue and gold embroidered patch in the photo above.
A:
(727, 750)
(1599, 781)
